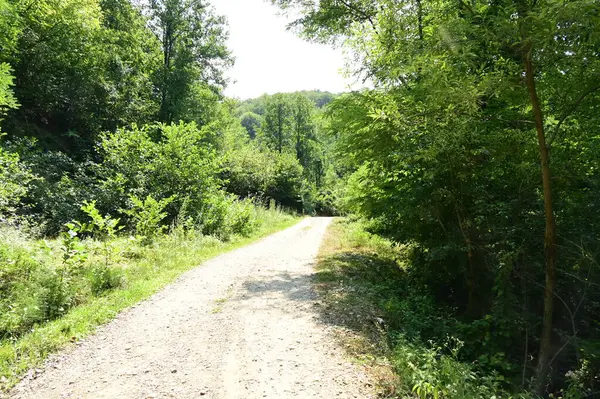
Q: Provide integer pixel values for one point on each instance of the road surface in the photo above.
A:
(242, 325)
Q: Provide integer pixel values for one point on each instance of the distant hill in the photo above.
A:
(257, 105)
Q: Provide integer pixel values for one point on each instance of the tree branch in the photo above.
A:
(570, 111)
(361, 13)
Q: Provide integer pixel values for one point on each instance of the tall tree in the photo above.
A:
(251, 122)
(194, 54)
(277, 126)
(131, 56)
(56, 63)
(305, 137)
(303, 127)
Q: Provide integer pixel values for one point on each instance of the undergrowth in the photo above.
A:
(393, 327)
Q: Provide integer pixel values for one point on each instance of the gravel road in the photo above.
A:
(242, 325)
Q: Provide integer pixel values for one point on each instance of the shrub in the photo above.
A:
(251, 172)
(147, 215)
(55, 295)
(161, 161)
(213, 214)
(225, 215)
(241, 218)
(104, 227)
(74, 253)
(60, 187)
(15, 178)
(103, 278)
(103, 275)
(434, 371)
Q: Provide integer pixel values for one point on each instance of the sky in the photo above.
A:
(269, 59)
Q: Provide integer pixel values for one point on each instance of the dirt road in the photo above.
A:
(243, 325)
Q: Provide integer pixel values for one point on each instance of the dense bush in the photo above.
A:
(151, 177)
(218, 216)
(265, 174)
(148, 215)
(15, 179)
(168, 163)
(160, 160)
(436, 372)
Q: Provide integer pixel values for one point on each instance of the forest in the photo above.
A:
(469, 166)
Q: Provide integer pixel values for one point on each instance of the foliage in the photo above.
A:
(251, 122)
(224, 216)
(9, 30)
(368, 286)
(250, 172)
(15, 179)
(103, 278)
(62, 85)
(257, 105)
(59, 187)
(147, 215)
(103, 227)
(441, 156)
(193, 46)
(162, 161)
(115, 122)
(7, 99)
(435, 372)
(286, 124)
(131, 54)
(74, 253)
(87, 66)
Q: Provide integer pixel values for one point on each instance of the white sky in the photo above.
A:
(269, 59)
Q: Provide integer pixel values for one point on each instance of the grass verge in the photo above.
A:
(389, 325)
(151, 269)
(346, 255)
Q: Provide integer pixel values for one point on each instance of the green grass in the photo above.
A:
(146, 270)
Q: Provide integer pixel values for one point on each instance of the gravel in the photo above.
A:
(242, 325)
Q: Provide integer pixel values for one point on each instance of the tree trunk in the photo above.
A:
(280, 128)
(470, 275)
(165, 112)
(550, 233)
